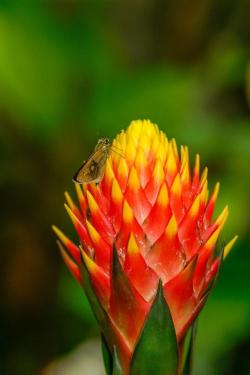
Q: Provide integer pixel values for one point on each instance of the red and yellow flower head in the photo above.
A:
(149, 220)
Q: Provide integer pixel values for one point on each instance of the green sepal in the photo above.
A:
(117, 370)
(107, 357)
(188, 365)
(156, 351)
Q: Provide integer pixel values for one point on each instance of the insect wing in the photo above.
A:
(92, 169)
(82, 173)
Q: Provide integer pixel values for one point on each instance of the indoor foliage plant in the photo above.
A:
(147, 258)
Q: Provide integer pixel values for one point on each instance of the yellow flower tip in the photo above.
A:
(175, 149)
(117, 151)
(161, 152)
(60, 235)
(155, 144)
(204, 176)
(162, 198)
(172, 227)
(197, 165)
(229, 246)
(207, 195)
(122, 170)
(216, 191)
(171, 166)
(204, 192)
(132, 245)
(116, 192)
(90, 264)
(132, 140)
(158, 173)
(121, 139)
(185, 174)
(176, 186)
(92, 203)
(130, 152)
(79, 192)
(182, 152)
(195, 207)
(213, 238)
(140, 160)
(94, 235)
(184, 157)
(70, 213)
(109, 174)
(210, 244)
(136, 126)
(133, 180)
(155, 130)
(117, 147)
(69, 200)
(145, 142)
(222, 217)
(127, 213)
(165, 141)
(163, 138)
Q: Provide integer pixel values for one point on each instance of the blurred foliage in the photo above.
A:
(72, 71)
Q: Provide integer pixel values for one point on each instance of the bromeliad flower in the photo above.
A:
(147, 257)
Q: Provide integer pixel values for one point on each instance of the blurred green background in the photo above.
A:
(74, 71)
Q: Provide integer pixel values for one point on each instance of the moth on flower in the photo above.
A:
(92, 169)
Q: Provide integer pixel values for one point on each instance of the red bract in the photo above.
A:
(156, 215)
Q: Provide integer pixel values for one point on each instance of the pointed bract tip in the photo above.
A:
(72, 266)
(90, 264)
(68, 209)
(69, 200)
(221, 219)
(172, 227)
(78, 190)
(229, 246)
(163, 198)
(116, 192)
(60, 235)
(197, 163)
(132, 245)
(93, 206)
(94, 235)
(216, 189)
(176, 186)
(204, 175)
(127, 213)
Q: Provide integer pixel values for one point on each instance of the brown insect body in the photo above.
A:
(92, 169)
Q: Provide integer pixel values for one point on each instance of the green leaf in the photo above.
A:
(157, 351)
(188, 366)
(117, 370)
(107, 357)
